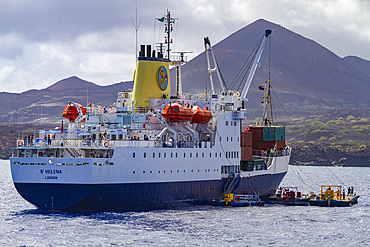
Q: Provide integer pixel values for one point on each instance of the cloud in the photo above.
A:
(44, 41)
(11, 46)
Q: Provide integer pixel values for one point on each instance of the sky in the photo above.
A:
(44, 41)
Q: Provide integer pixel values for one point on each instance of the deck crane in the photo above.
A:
(256, 63)
(209, 51)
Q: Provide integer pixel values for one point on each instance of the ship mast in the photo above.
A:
(168, 28)
(268, 111)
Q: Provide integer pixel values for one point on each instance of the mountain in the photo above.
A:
(47, 104)
(304, 74)
(359, 63)
(302, 71)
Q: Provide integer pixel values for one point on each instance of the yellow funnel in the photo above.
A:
(151, 80)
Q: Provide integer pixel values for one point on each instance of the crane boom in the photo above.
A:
(254, 67)
(208, 47)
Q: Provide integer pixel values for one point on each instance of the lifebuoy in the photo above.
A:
(235, 113)
(20, 143)
(237, 94)
(237, 199)
(106, 144)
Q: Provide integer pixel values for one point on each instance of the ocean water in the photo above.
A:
(21, 224)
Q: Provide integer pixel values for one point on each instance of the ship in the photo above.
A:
(153, 148)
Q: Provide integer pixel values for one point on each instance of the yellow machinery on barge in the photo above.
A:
(334, 196)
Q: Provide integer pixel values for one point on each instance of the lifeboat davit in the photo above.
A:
(201, 115)
(71, 112)
(176, 112)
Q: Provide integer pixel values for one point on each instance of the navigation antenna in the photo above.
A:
(136, 26)
(168, 28)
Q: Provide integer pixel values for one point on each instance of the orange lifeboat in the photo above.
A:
(176, 112)
(201, 115)
(71, 112)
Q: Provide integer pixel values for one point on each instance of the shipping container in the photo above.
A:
(259, 164)
(246, 153)
(246, 139)
(263, 145)
(274, 133)
(280, 134)
(247, 165)
(268, 134)
(257, 132)
(257, 145)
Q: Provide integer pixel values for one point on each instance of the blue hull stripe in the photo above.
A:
(143, 196)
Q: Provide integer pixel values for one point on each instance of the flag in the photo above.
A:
(161, 19)
(261, 87)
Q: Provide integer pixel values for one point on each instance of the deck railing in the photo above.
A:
(100, 143)
(264, 153)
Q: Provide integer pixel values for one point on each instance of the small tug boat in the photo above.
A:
(238, 200)
(290, 196)
(330, 198)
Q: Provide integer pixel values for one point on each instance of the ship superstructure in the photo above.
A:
(152, 148)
